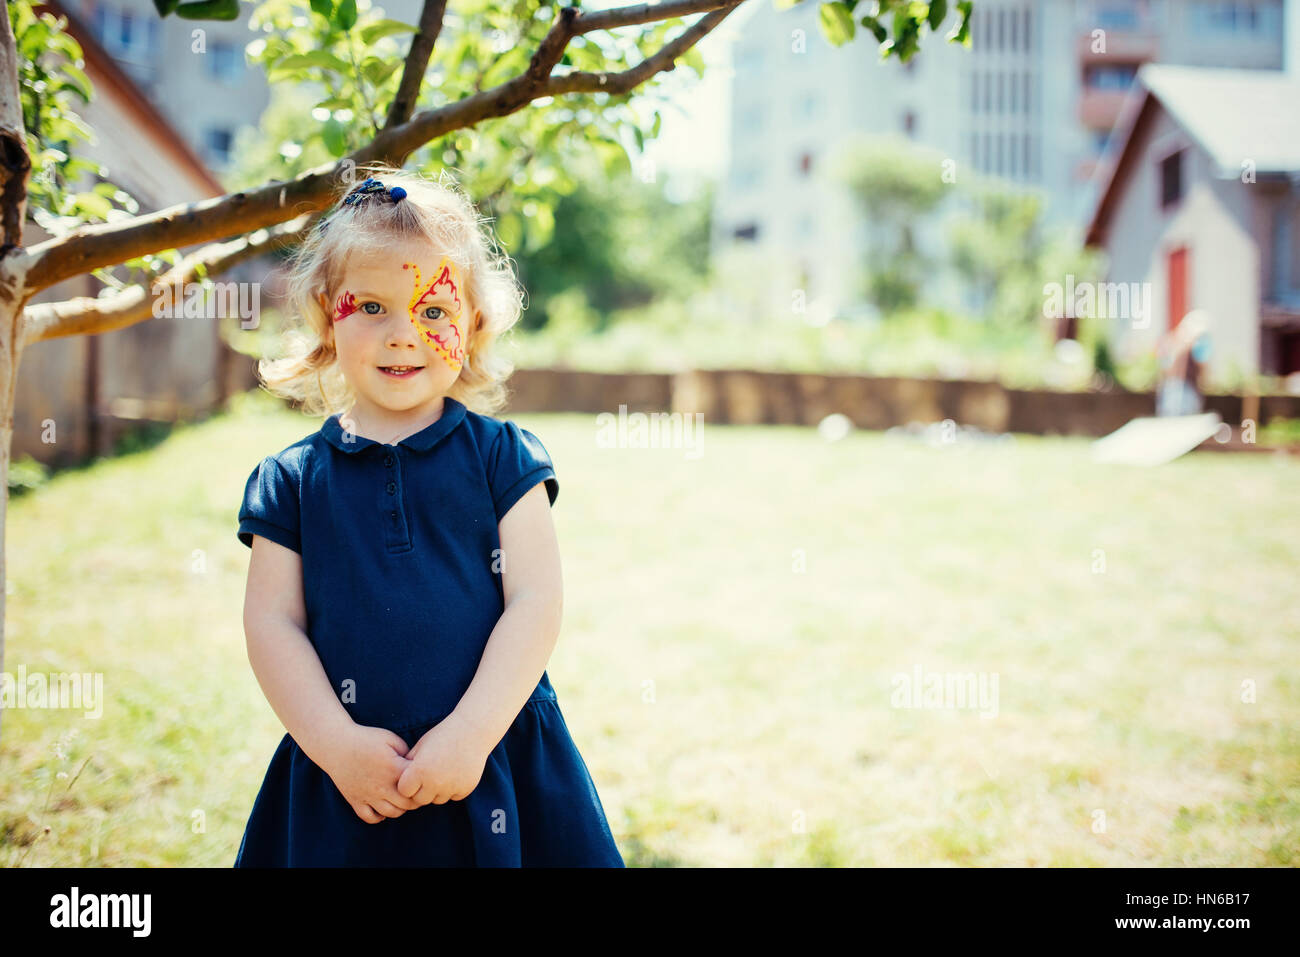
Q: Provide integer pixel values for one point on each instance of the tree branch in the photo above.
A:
(641, 13)
(85, 315)
(104, 244)
(417, 62)
(627, 80)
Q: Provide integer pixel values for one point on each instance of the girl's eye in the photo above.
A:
(373, 312)
(440, 310)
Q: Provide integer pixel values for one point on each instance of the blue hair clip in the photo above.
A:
(362, 192)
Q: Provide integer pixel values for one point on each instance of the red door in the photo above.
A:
(1179, 268)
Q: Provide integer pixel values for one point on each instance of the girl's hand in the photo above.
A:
(365, 765)
(445, 765)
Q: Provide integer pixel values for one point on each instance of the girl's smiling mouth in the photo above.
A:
(400, 372)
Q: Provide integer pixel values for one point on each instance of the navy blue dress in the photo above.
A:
(398, 544)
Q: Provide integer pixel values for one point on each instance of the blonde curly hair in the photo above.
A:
(438, 212)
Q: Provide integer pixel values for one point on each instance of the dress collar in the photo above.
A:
(453, 412)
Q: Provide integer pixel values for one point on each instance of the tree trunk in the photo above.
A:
(11, 308)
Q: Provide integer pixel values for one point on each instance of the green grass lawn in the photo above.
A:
(733, 709)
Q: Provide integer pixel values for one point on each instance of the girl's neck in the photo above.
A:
(389, 428)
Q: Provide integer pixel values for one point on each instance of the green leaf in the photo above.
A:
(334, 136)
(384, 28)
(836, 22)
(78, 81)
(92, 204)
(335, 103)
(346, 14)
(165, 7)
(376, 69)
(876, 27)
(300, 61)
(961, 32)
(938, 10)
(324, 7)
(209, 10)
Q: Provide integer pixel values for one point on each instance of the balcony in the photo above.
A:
(1099, 109)
(1120, 45)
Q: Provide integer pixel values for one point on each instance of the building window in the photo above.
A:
(1110, 76)
(1026, 99)
(218, 141)
(749, 232)
(909, 124)
(1171, 179)
(224, 62)
(1226, 16)
(1116, 16)
(124, 34)
(805, 163)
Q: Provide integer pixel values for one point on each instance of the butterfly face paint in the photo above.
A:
(437, 313)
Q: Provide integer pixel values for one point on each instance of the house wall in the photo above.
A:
(1215, 219)
(172, 363)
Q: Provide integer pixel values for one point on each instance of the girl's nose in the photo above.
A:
(401, 332)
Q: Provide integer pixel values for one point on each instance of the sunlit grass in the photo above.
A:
(733, 709)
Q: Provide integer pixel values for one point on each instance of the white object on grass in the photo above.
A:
(1155, 440)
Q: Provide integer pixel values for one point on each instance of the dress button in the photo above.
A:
(392, 487)
(388, 460)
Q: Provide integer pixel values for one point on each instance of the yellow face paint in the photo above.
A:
(444, 329)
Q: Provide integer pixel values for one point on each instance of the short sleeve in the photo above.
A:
(517, 462)
(270, 507)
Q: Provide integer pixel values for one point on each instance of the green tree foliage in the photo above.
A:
(335, 65)
(1003, 249)
(622, 243)
(896, 185)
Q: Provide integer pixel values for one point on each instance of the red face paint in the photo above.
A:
(445, 333)
(346, 305)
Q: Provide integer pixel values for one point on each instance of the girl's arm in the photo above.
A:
(526, 633)
(283, 659)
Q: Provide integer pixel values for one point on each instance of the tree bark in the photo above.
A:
(15, 165)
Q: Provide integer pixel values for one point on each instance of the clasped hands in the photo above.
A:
(380, 778)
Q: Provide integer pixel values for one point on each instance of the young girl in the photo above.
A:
(404, 589)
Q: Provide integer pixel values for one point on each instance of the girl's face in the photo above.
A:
(400, 322)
